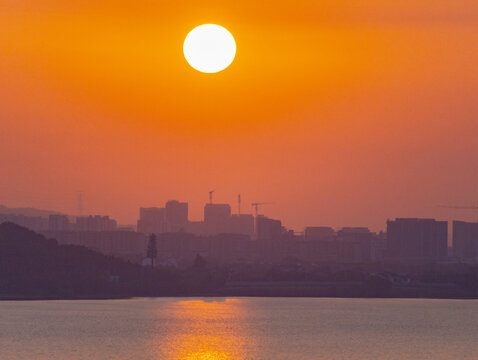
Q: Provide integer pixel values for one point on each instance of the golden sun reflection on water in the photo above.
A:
(206, 330)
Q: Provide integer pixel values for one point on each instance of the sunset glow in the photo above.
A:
(198, 341)
(317, 92)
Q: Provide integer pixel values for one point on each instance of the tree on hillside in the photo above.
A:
(152, 251)
(199, 262)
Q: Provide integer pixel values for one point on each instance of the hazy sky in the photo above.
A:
(343, 113)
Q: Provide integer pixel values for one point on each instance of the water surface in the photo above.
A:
(239, 328)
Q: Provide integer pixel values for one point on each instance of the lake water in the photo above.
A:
(239, 328)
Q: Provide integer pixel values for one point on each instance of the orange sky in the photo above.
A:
(343, 113)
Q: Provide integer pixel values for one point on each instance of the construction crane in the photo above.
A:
(458, 207)
(210, 196)
(80, 202)
(257, 204)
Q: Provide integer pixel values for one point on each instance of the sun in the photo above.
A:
(209, 48)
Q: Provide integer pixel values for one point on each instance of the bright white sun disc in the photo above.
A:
(209, 48)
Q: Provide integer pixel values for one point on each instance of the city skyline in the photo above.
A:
(453, 213)
(226, 238)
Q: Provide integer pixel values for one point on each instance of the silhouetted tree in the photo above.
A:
(199, 262)
(152, 251)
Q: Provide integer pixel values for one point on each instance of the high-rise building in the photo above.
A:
(58, 223)
(321, 244)
(217, 218)
(176, 215)
(465, 241)
(152, 220)
(355, 244)
(378, 247)
(35, 223)
(95, 223)
(268, 229)
(417, 239)
(318, 233)
(196, 228)
(241, 224)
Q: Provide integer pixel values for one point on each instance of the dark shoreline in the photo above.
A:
(35, 268)
(264, 293)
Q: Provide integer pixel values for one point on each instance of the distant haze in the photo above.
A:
(342, 113)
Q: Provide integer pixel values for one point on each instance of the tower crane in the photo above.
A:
(80, 202)
(257, 204)
(458, 207)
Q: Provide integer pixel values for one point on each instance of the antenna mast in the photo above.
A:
(80, 203)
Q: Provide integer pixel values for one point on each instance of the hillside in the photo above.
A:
(32, 266)
(27, 211)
